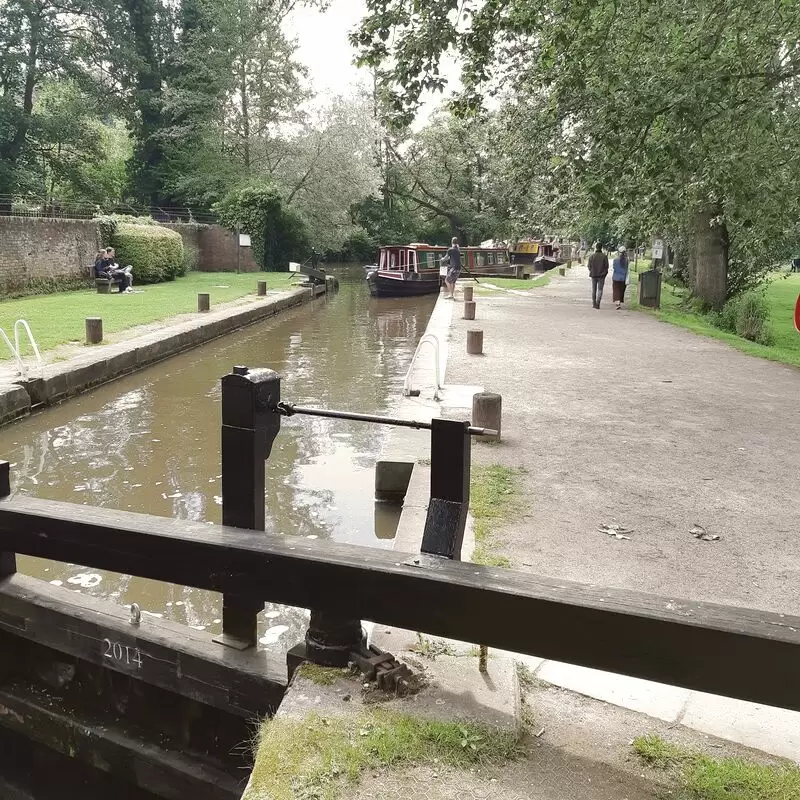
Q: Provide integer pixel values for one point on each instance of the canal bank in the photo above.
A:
(99, 364)
(583, 449)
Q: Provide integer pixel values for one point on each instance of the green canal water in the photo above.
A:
(150, 443)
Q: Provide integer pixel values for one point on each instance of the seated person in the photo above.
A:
(120, 275)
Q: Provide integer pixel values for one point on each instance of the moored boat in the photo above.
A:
(416, 268)
(542, 256)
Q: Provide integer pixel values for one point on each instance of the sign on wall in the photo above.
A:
(244, 240)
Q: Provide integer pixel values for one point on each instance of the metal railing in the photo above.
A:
(37, 207)
(16, 348)
(433, 340)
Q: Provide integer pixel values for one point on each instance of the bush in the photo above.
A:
(726, 319)
(752, 318)
(747, 316)
(277, 233)
(156, 253)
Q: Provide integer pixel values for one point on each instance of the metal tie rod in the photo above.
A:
(290, 409)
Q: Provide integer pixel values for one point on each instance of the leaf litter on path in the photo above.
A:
(699, 532)
(615, 530)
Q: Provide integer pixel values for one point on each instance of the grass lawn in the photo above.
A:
(59, 318)
(781, 296)
(517, 283)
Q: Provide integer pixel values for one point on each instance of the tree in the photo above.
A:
(277, 233)
(38, 40)
(672, 117)
(327, 167)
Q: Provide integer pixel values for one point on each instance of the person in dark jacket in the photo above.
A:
(598, 269)
(453, 269)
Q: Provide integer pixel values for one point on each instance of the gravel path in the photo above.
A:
(619, 418)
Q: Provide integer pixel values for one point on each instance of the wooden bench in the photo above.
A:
(103, 285)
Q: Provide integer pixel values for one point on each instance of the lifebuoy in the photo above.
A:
(797, 314)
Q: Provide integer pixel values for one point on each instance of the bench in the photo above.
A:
(103, 285)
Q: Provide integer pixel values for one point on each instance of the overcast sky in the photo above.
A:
(326, 51)
(323, 45)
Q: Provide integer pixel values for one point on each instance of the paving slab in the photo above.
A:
(655, 699)
(771, 730)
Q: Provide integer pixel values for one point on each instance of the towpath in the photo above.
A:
(619, 418)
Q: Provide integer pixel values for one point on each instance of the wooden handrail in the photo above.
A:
(738, 652)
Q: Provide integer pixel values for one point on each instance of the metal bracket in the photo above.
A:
(383, 669)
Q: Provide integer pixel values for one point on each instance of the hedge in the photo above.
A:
(155, 253)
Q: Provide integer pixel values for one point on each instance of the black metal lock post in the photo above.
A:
(450, 477)
(249, 428)
(8, 559)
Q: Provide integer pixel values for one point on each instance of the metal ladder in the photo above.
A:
(433, 341)
(16, 350)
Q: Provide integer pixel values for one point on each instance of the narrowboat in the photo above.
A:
(416, 268)
(541, 255)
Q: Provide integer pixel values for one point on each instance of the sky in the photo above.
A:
(324, 48)
(326, 52)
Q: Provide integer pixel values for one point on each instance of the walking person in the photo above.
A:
(598, 269)
(619, 276)
(453, 268)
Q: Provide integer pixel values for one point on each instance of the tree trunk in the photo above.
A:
(709, 257)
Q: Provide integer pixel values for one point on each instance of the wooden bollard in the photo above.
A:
(203, 301)
(94, 330)
(562, 271)
(469, 309)
(487, 410)
(262, 288)
(475, 342)
(468, 290)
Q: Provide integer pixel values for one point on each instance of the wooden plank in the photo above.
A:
(156, 768)
(163, 653)
(744, 653)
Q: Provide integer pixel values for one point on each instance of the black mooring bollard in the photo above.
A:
(249, 427)
(8, 559)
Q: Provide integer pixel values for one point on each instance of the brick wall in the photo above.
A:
(34, 249)
(218, 251)
(214, 247)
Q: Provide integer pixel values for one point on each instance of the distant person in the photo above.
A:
(123, 275)
(598, 269)
(796, 265)
(453, 269)
(619, 276)
(103, 268)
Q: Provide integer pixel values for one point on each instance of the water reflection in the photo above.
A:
(150, 442)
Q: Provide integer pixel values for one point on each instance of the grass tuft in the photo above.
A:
(322, 676)
(701, 777)
(318, 757)
(492, 498)
(656, 752)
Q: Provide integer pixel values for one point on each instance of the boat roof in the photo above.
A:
(424, 246)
